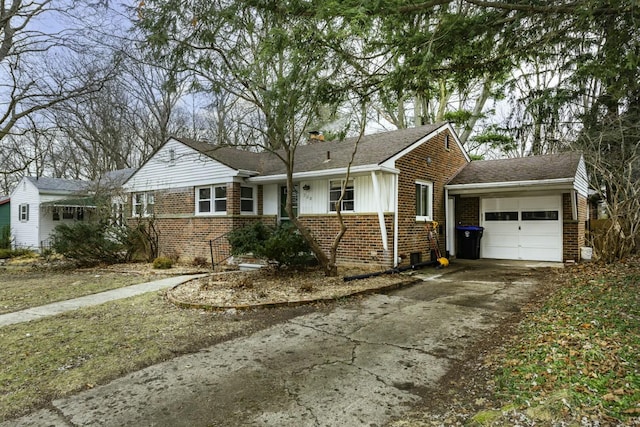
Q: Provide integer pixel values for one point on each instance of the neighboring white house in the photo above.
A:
(31, 223)
(38, 205)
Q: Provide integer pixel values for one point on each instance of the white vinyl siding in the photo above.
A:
(188, 169)
(314, 200)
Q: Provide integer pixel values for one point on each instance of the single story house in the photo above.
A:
(401, 184)
(39, 204)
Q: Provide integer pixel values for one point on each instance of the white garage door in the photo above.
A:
(527, 228)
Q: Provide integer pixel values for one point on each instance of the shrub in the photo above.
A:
(91, 242)
(14, 253)
(283, 245)
(162, 263)
(249, 239)
(287, 247)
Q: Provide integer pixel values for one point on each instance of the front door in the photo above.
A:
(284, 216)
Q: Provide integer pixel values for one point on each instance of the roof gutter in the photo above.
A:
(559, 183)
(323, 174)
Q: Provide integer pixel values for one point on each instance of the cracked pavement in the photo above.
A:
(362, 363)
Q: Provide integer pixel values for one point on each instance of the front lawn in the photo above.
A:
(28, 286)
(578, 357)
(53, 357)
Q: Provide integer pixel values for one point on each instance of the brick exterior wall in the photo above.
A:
(183, 234)
(573, 231)
(413, 236)
(361, 243)
(468, 210)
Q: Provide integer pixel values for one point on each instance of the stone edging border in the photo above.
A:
(296, 303)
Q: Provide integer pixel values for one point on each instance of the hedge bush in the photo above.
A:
(283, 245)
(92, 242)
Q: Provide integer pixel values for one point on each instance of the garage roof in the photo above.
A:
(538, 168)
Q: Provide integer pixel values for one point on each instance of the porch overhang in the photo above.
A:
(320, 174)
(82, 202)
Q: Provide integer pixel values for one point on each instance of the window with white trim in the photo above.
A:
(23, 212)
(211, 199)
(247, 200)
(143, 204)
(335, 190)
(424, 201)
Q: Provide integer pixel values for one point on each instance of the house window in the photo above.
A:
(68, 212)
(211, 199)
(172, 157)
(424, 206)
(23, 212)
(56, 214)
(335, 190)
(246, 200)
(143, 204)
(446, 142)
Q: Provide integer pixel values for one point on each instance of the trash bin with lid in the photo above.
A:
(469, 241)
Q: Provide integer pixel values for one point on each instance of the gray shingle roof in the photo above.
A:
(372, 150)
(551, 166)
(229, 156)
(58, 184)
(117, 177)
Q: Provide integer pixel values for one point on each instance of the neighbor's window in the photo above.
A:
(211, 199)
(143, 204)
(335, 190)
(246, 200)
(56, 214)
(68, 212)
(424, 206)
(446, 142)
(23, 212)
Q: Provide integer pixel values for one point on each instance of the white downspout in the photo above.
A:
(395, 220)
(446, 221)
(574, 205)
(378, 196)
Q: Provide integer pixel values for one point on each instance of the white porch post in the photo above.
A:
(379, 208)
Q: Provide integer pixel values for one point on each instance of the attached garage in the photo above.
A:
(528, 228)
(531, 208)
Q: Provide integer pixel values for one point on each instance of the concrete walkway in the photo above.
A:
(59, 307)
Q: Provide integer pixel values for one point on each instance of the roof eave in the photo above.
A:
(327, 173)
(478, 188)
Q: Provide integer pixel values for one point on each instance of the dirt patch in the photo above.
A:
(272, 288)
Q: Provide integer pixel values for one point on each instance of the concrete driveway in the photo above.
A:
(362, 363)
